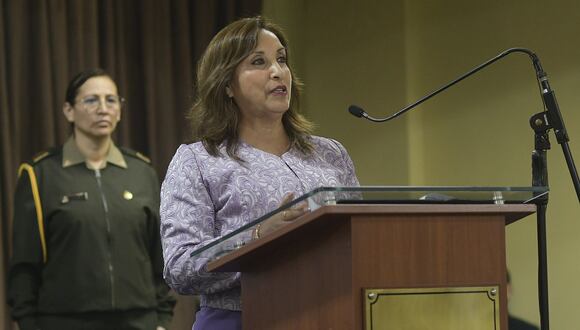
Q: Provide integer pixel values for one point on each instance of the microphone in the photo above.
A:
(356, 111)
(359, 112)
(550, 118)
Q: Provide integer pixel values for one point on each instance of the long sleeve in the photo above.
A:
(188, 223)
(26, 263)
(204, 197)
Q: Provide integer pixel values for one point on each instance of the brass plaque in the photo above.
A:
(450, 308)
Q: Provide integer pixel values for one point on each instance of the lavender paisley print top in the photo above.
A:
(204, 197)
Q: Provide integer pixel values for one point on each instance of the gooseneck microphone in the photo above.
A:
(359, 112)
(550, 118)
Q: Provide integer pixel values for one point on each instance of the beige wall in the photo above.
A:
(384, 55)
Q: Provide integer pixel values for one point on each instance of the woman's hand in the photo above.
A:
(281, 219)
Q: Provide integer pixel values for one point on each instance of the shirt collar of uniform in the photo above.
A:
(71, 155)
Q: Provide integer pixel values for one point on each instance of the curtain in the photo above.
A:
(151, 48)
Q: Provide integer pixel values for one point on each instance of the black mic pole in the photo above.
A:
(540, 179)
(541, 123)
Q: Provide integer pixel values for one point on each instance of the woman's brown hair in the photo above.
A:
(214, 115)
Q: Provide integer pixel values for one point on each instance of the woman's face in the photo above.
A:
(261, 85)
(97, 108)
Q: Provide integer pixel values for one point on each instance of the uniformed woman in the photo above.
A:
(86, 246)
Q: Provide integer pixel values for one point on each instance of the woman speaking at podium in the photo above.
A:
(254, 153)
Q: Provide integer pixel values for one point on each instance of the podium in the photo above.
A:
(379, 263)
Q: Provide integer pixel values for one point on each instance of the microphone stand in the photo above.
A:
(541, 123)
(540, 179)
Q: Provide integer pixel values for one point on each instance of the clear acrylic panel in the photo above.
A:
(379, 195)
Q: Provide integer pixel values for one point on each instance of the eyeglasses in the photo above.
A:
(92, 102)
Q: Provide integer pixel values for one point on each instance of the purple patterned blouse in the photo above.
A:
(204, 197)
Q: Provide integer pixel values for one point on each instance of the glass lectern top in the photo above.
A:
(378, 195)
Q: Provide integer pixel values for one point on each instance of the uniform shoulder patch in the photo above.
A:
(135, 154)
(43, 155)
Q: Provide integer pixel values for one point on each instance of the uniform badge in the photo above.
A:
(80, 196)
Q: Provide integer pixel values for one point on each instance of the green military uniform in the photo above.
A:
(86, 243)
